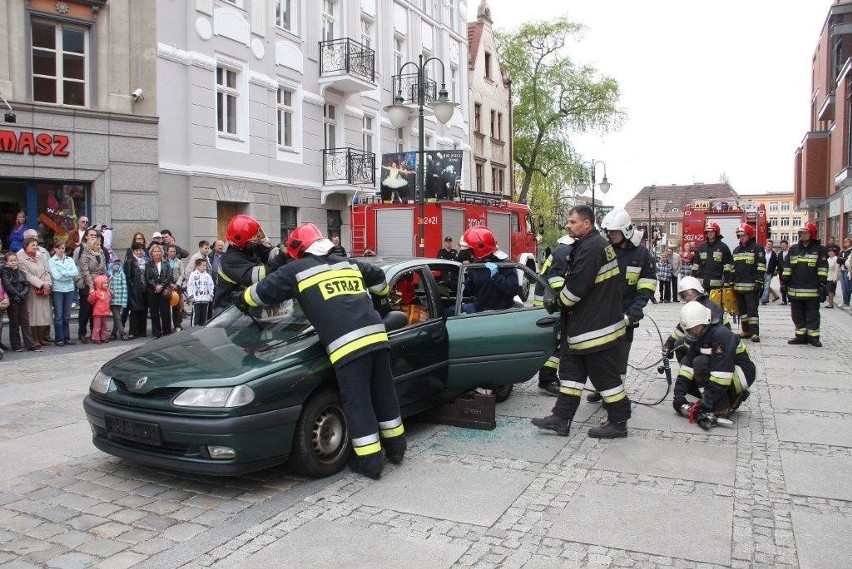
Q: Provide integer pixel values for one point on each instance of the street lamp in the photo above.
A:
(604, 185)
(399, 113)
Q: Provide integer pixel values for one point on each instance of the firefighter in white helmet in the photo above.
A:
(688, 289)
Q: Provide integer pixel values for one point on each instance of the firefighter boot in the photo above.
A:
(798, 340)
(609, 430)
(554, 423)
(755, 334)
(744, 333)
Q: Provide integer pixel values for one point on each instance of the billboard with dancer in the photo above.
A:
(398, 177)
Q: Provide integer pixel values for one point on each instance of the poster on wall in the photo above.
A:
(398, 178)
(443, 170)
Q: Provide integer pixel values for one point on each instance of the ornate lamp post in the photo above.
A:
(399, 113)
(604, 185)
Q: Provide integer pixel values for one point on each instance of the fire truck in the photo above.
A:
(729, 214)
(391, 230)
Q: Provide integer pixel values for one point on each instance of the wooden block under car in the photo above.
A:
(470, 410)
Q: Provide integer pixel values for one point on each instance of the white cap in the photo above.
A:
(156, 234)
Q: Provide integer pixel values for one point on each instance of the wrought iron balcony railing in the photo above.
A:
(349, 166)
(349, 56)
(407, 85)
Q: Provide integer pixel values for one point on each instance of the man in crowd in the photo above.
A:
(749, 269)
(805, 275)
(338, 248)
(771, 260)
(783, 256)
(716, 369)
(447, 252)
(169, 240)
(592, 326)
(335, 295)
(713, 262)
(202, 253)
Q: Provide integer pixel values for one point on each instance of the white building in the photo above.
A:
(274, 107)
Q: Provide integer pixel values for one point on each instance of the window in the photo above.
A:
(60, 65)
(427, 69)
(477, 118)
(454, 83)
(398, 52)
(493, 124)
(334, 222)
(226, 100)
(285, 14)
(785, 206)
(773, 221)
(451, 14)
(400, 140)
(487, 65)
(785, 237)
(673, 228)
(330, 126)
(329, 19)
(284, 110)
(367, 133)
(479, 181)
(773, 206)
(289, 221)
(497, 180)
(499, 126)
(427, 141)
(366, 30)
(785, 222)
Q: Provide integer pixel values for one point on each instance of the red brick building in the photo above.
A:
(823, 163)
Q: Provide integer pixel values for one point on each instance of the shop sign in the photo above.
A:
(28, 142)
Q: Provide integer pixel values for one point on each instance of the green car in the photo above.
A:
(244, 393)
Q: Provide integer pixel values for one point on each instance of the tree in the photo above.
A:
(553, 98)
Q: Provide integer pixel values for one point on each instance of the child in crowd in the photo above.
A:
(199, 291)
(17, 287)
(4, 304)
(118, 291)
(100, 299)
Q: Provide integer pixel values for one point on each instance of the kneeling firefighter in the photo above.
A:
(689, 289)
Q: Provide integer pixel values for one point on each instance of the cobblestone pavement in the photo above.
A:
(771, 491)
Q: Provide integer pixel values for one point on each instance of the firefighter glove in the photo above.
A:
(491, 267)
(382, 305)
(668, 347)
(634, 315)
(758, 286)
(239, 301)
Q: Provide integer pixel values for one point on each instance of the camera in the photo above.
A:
(138, 95)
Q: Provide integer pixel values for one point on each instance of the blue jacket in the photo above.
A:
(492, 293)
(63, 273)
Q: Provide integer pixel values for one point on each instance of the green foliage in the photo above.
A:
(553, 98)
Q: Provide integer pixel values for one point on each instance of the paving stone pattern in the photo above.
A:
(771, 491)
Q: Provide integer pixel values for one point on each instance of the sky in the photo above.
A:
(710, 88)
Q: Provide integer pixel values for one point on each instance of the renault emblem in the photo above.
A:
(140, 383)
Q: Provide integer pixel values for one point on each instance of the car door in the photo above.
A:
(418, 350)
(499, 347)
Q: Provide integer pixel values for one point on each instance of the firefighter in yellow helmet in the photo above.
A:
(335, 294)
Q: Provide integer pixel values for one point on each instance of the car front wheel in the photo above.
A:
(321, 444)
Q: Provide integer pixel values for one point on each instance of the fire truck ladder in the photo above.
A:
(359, 229)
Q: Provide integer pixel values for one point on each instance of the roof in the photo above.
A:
(674, 197)
(474, 35)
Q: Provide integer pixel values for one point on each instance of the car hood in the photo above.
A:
(214, 356)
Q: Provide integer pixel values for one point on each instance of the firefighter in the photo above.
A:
(493, 287)
(553, 270)
(335, 295)
(639, 280)
(713, 262)
(805, 274)
(716, 369)
(247, 260)
(689, 289)
(592, 326)
(749, 268)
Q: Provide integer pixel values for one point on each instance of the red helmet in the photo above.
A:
(244, 229)
(712, 226)
(809, 227)
(301, 238)
(481, 241)
(747, 229)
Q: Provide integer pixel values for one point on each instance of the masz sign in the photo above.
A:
(27, 142)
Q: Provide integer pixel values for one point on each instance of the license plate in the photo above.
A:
(148, 433)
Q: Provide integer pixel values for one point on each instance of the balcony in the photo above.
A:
(347, 66)
(348, 166)
(406, 84)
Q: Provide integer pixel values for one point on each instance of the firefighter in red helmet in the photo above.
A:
(335, 294)
(805, 274)
(493, 287)
(713, 262)
(248, 259)
(749, 268)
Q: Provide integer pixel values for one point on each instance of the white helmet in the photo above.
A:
(687, 283)
(618, 220)
(694, 313)
(566, 240)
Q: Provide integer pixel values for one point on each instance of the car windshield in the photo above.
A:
(286, 320)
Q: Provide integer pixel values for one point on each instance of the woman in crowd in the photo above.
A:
(63, 272)
(176, 265)
(37, 271)
(16, 236)
(137, 305)
(138, 237)
(91, 264)
(686, 259)
(158, 281)
(833, 275)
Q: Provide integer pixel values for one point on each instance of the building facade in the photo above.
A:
(782, 214)
(823, 161)
(79, 133)
(492, 155)
(274, 108)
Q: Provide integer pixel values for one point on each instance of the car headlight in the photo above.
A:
(215, 397)
(100, 383)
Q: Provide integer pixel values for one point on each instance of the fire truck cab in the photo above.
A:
(391, 230)
(728, 214)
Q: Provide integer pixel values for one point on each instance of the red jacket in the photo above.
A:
(100, 297)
